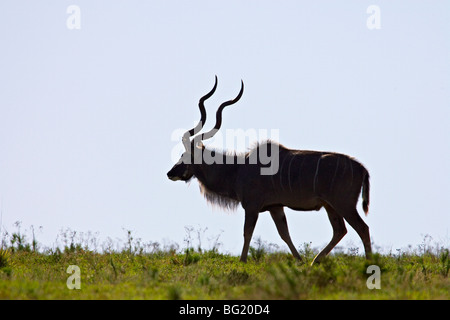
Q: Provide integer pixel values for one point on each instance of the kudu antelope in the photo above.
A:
(305, 180)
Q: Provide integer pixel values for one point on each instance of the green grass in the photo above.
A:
(137, 272)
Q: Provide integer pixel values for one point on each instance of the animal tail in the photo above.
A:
(365, 192)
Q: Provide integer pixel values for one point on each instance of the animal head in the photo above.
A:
(184, 169)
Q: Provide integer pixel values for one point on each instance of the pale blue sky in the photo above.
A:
(87, 116)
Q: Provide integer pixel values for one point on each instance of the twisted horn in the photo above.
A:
(202, 121)
(216, 128)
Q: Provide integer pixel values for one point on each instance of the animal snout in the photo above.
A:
(172, 176)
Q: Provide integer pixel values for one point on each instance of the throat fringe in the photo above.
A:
(216, 199)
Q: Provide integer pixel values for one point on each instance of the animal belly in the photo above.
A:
(305, 205)
(298, 205)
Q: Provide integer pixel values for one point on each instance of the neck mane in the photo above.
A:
(218, 179)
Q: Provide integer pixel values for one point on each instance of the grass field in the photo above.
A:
(137, 271)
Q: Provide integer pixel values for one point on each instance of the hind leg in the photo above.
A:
(339, 231)
(354, 219)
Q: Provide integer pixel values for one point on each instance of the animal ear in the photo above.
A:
(199, 145)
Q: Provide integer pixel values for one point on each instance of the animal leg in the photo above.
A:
(357, 223)
(339, 231)
(250, 221)
(279, 218)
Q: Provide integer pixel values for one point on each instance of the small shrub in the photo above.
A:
(191, 257)
(174, 293)
(237, 277)
(261, 250)
(4, 258)
(445, 262)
